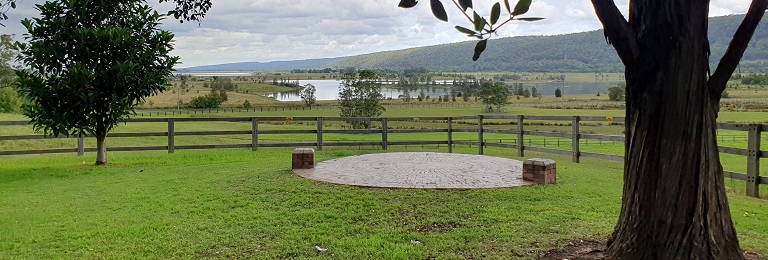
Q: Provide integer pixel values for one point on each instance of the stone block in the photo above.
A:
(540, 171)
(303, 158)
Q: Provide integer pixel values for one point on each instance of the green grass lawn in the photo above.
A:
(241, 204)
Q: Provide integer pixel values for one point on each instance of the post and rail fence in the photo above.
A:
(753, 152)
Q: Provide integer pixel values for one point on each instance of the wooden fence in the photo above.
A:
(753, 152)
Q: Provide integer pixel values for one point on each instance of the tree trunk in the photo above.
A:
(674, 204)
(101, 145)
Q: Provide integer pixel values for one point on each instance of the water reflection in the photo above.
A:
(329, 89)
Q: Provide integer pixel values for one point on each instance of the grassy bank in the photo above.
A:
(239, 204)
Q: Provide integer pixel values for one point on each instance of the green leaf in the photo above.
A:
(479, 22)
(438, 10)
(506, 5)
(407, 3)
(465, 30)
(479, 48)
(529, 19)
(465, 4)
(495, 13)
(522, 7)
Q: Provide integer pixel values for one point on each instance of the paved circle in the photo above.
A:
(420, 171)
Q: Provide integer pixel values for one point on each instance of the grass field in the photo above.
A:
(241, 204)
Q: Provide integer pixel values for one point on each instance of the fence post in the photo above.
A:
(319, 133)
(450, 135)
(80, 145)
(520, 143)
(480, 134)
(384, 134)
(575, 134)
(171, 141)
(254, 134)
(753, 161)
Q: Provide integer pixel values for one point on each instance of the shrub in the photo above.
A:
(207, 101)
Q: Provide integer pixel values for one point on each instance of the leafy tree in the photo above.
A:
(308, 95)
(616, 93)
(535, 92)
(359, 95)
(422, 95)
(246, 104)
(493, 94)
(406, 95)
(559, 93)
(90, 63)
(674, 204)
(222, 83)
(526, 93)
(9, 100)
(7, 53)
(206, 101)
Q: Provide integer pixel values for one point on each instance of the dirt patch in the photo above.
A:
(437, 227)
(590, 249)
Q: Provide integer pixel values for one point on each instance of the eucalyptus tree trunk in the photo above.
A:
(674, 204)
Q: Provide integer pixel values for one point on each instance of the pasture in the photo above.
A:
(235, 203)
(242, 204)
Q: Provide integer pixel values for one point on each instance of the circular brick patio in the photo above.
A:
(420, 171)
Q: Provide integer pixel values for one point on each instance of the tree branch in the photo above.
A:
(719, 79)
(617, 31)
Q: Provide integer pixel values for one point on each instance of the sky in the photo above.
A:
(271, 30)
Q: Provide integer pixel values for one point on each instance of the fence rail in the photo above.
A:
(753, 152)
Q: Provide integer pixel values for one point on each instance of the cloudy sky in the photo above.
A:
(269, 30)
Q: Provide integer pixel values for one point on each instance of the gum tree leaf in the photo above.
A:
(529, 19)
(465, 30)
(522, 7)
(506, 5)
(479, 22)
(479, 48)
(495, 13)
(465, 4)
(438, 10)
(407, 3)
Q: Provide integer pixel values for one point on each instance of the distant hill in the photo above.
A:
(576, 52)
(267, 66)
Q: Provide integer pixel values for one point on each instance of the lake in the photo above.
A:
(329, 89)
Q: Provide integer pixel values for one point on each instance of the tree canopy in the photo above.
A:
(89, 63)
(359, 95)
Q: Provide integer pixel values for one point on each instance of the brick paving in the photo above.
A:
(420, 171)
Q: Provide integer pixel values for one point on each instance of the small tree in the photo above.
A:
(207, 101)
(9, 100)
(526, 93)
(493, 94)
(90, 63)
(359, 96)
(535, 92)
(246, 104)
(422, 95)
(308, 95)
(406, 95)
(559, 93)
(616, 93)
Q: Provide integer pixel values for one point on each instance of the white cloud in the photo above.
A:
(268, 30)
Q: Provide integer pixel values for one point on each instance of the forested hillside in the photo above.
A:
(577, 52)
